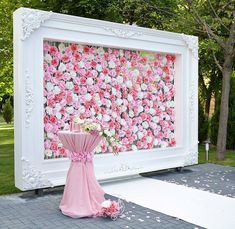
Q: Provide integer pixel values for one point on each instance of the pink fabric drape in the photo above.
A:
(82, 195)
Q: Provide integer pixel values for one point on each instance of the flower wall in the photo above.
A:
(130, 92)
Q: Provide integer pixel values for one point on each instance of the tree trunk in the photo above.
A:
(208, 102)
(224, 109)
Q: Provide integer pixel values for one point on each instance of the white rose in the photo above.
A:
(119, 102)
(140, 109)
(136, 72)
(98, 67)
(172, 103)
(108, 103)
(157, 78)
(134, 147)
(114, 114)
(129, 83)
(172, 135)
(90, 81)
(107, 79)
(49, 86)
(155, 119)
(140, 95)
(112, 131)
(140, 135)
(91, 57)
(73, 74)
(75, 97)
(162, 108)
(130, 98)
(61, 47)
(62, 67)
(99, 103)
(151, 103)
(149, 139)
(58, 115)
(128, 64)
(123, 108)
(100, 51)
(66, 126)
(167, 117)
(120, 79)
(50, 135)
(166, 89)
(111, 64)
(114, 91)
(121, 53)
(122, 122)
(155, 142)
(82, 109)
(81, 64)
(70, 110)
(144, 86)
(69, 85)
(164, 144)
(57, 90)
(131, 113)
(152, 111)
(135, 129)
(48, 58)
(60, 144)
(88, 97)
(98, 149)
(99, 116)
(106, 204)
(106, 117)
(145, 124)
(108, 133)
(92, 111)
(164, 60)
(49, 110)
(48, 152)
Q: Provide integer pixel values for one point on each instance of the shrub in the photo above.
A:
(7, 112)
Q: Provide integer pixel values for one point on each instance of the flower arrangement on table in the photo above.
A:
(94, 127)
(112, 209)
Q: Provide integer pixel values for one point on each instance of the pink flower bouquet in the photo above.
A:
(112, 209)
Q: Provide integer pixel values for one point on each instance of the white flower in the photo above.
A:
(145, 124)
(120, 79)
(49, 86)
(90, 81)
(49, 110)
(155, 142)
(106, 204)
(164, 144)
(135, 129)
(100, 51)
(128, 64)
(128, 83)
(98, 67)
(108, 133)
(140, 109)
(134, 147)
(81, 64)
(157, 78)
(70, 110)
(91, 57)
(82, 109)
(131, 113)
(152, 111)
(155, 119)
(66, 126)
(61, 47)
(75, 97)
(69, 85)
(119, 102)
(99, 103)
(98, 149)
(123, 108)
(60, 144)
(58, 115)
(50, 135)
(164, 60)
(62, 67)
(56, 90)
(77, 120)
(48, 152)
(130, 98)
(107, 79)
(108, 103)
(92, 111)
(136, 72)
(162, 108)
(122, 122)
(149, 139)
(121, 53)
(140, 135)
(106, 118)
(114, 91)
(73, 74)
(88, 97)
(166, 89)
(172, 103)
(172, 135)
(140, 95)
(99, 116)
(114, 114)
(167, 117)
(111, 64)
(144, 86)
(112, 131)
(48, 58)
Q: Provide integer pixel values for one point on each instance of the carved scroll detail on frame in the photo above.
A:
(29, 96)
(123, 168)
(192, 100)
(32, 20)
(123, 33)
(192, 44)
(192, 157)
(32, 177)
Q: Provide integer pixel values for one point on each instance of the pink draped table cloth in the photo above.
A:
(82, 195)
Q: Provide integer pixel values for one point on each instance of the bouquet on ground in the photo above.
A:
(94, 127)
(112, 209)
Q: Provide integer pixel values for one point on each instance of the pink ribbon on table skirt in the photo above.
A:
(81, 156)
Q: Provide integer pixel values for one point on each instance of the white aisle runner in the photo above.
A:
(195, 206)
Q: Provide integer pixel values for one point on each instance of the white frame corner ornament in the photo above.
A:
(192, 43)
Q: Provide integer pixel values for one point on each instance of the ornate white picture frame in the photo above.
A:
(31, 29)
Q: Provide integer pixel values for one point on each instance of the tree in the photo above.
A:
(7, 112)
(217, 20)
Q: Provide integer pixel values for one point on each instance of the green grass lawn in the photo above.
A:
(7, 159)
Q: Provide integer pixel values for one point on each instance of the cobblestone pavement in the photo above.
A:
(27, 211)
(208, 177)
